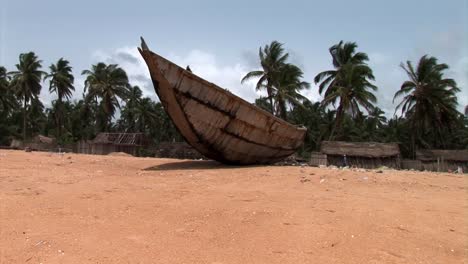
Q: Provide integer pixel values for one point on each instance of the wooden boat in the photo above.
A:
(218, 124)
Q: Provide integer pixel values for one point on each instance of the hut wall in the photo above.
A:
(87, 147)
(317, 159)
(411, 165)
(40, 146)
(103, 149)
(364, 162)
(444, 166)
(433, 165)
(83, 147)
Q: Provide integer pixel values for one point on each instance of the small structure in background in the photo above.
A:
(177, 150)
(443, 160)
(367, 155)
(105, 143)
(39, 142)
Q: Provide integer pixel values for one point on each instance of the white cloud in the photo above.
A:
(202, 63)
(205, 65)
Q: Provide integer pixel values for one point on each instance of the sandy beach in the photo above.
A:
(114, 209)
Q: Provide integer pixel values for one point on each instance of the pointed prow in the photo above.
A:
(143, 44)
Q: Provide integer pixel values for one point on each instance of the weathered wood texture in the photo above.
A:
(434, 154)
(217, 123)
(363, 162)
(318, 159)
(360, 149)
(408, 164)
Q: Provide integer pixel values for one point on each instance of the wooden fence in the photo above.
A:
(318, 159)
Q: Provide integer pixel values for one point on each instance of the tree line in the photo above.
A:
(106, 87)
(427, 102)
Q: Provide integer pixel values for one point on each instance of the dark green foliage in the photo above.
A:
(60, 82)
(272, 59)
(26, 82)
(429, 102)
(348, 85)
(105, 86)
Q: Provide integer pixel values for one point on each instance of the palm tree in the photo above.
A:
(7, 100)
(109, 84)
(272, 58)
(144, 115)
(466, 110)
(377, 118)
(342, 54)
(134, 95)
(287, 84)
(61, 83)
(138, 112)
(374, 124)
(130, 109)
(429, 100)
(26, 81)
(348, 84)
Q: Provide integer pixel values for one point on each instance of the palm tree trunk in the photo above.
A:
(270, 98)
(59, 118)
(339, 117)
(24, 119)
(282, 108)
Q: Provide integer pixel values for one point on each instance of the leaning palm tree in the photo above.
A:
(287, 84)
(61, 83)
(26, 81)
(342, 54)
(352, 91)
(348, 84)
(429, 100)
(109, 84)
(272, 58)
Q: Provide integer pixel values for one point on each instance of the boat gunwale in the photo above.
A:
(185, 73)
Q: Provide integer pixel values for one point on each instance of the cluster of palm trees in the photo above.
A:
(427, 102)
(106, 88)
(428, 106)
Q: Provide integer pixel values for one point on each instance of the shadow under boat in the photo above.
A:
(194, 165)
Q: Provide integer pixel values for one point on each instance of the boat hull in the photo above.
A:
(218, 124)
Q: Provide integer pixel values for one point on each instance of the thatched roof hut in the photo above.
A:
(38, 142)
(360, 149)
(40, 139)
(442, 154)
(361, 154)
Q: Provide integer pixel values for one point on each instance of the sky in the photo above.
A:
(220, 39)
